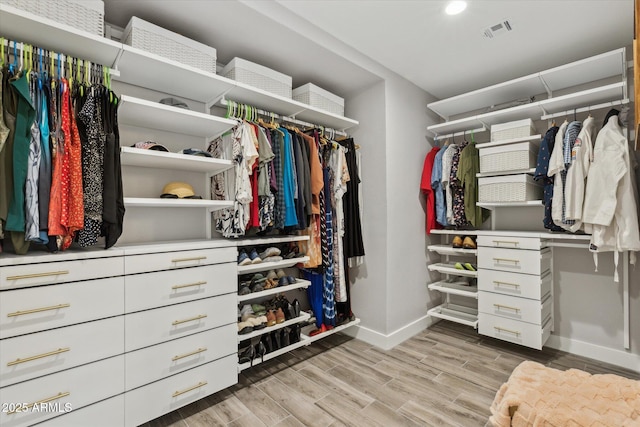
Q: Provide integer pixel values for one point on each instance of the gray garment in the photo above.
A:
(265, 156)
(32, 212)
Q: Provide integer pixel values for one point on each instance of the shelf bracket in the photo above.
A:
(116, 62)
(293, 116)
(215, 100)
(546, 86)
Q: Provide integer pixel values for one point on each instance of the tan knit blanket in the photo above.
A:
(539, 396)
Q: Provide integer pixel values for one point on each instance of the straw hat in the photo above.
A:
(180, 189)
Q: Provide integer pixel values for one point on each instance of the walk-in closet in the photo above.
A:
(319, 213)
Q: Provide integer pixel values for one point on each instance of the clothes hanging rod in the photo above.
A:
(585, 109)
(225, 102)
(466, 132)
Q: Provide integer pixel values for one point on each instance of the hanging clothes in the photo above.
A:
(459, 215)
(44, 173)
(353, 240)
(22, 137)
(112, 196)
(468, 167)
(556, 165)
(610, 209)
(581, 158)
(328, 294)
(32, 211)
(340, 178)
(427, 190)
(438, 190)
(447, 161)
(542, 167)
(8, 106)
(266, 198)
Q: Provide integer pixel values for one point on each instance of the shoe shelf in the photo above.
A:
(259, 241)
(455, 313)
(450, 250)
(305, 339)
(456, 232)
(262, 266)
(445, 268)
(455, 288)
(303, 317)
(300, 284)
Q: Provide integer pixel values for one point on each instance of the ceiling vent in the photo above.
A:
(498, 29)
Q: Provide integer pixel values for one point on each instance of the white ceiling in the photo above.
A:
(443, 55)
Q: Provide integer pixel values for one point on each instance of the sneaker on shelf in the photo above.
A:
(457, 242)
(272, 258)
(243, 258)
(258, 309)
(272, 275)
(468, 243)
(270, 251)
(458, 266)
(469, 266)
(280, 273)
(254, 257)
(246, 310)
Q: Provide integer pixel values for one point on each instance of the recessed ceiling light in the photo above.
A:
(455, 7)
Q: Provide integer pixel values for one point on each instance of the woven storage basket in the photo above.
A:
(258, 76)
(152, 38)
(509, 188)
(505, 158)
(516, 129)
(319, 98)
(85, 15)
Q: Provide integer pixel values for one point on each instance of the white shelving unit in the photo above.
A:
(456, 313)
(494, 205)
(302, 318)
(455, 288)
(150, 202)
(270, 240)
(450, 250)
(300, 284)
(174, 161)
(530, 171)
(449, 269)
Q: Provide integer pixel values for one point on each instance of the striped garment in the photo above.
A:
(567, 146)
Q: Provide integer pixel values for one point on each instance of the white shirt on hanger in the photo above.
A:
(581, 158)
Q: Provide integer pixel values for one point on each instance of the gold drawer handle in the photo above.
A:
(499, 260)
(38, 310)
(498, 283)
(39, 356)
(188, 285)
(191, 319)
(48, 399)
(182, 356)
(506, 242)
(499, 329)
(195, 258)
(187, 390)
(507, 307)
(34, 275)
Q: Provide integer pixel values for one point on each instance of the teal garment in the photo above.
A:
(21, 141)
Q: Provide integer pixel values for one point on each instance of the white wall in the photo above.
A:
(369, 284)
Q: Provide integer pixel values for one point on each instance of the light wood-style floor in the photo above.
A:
(445, 376)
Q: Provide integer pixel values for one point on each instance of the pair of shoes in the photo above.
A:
(257, 322)
(294, 309)
(278, 315)
(244, 289)
(260, 350)
(244, 328)
(270, 284)
(243, 258)
(294, 333)
(266, 343)
(464, 266)
(293, 252)
(280, 273)
(323, 328)
(247, 355)
(273, 258)
(467, 242)
(258, 309)
(270, 251)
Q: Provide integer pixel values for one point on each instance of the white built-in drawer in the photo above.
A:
(74, 388)
(509, 242)
(527, 310)
(517, 284)
(160, 361)
(34, 355)
(49, 273)
(134, 264)
(151, 401)
(151, 327)
(35, 309)
(107, 413)
(515, 260)
(515, 331)
(149, 290)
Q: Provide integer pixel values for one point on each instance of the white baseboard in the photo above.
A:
(604, 354)
(387, 342)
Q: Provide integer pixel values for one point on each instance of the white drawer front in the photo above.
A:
(509, 242)
(150, 290)
(526, 310)
(166, 359)
(35, 309)
(515, 331)
(85, 385)
(163, 324)
(108, 413)
(515, 260)
(517, 284)
(134, 264)
(49, 273)
(151, 401)
(34, 355)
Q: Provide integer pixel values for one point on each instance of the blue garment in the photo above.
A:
(314, 293)
(289, 185)
(44, 177)
(328, 295)
(438, 190)
(542, 167)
